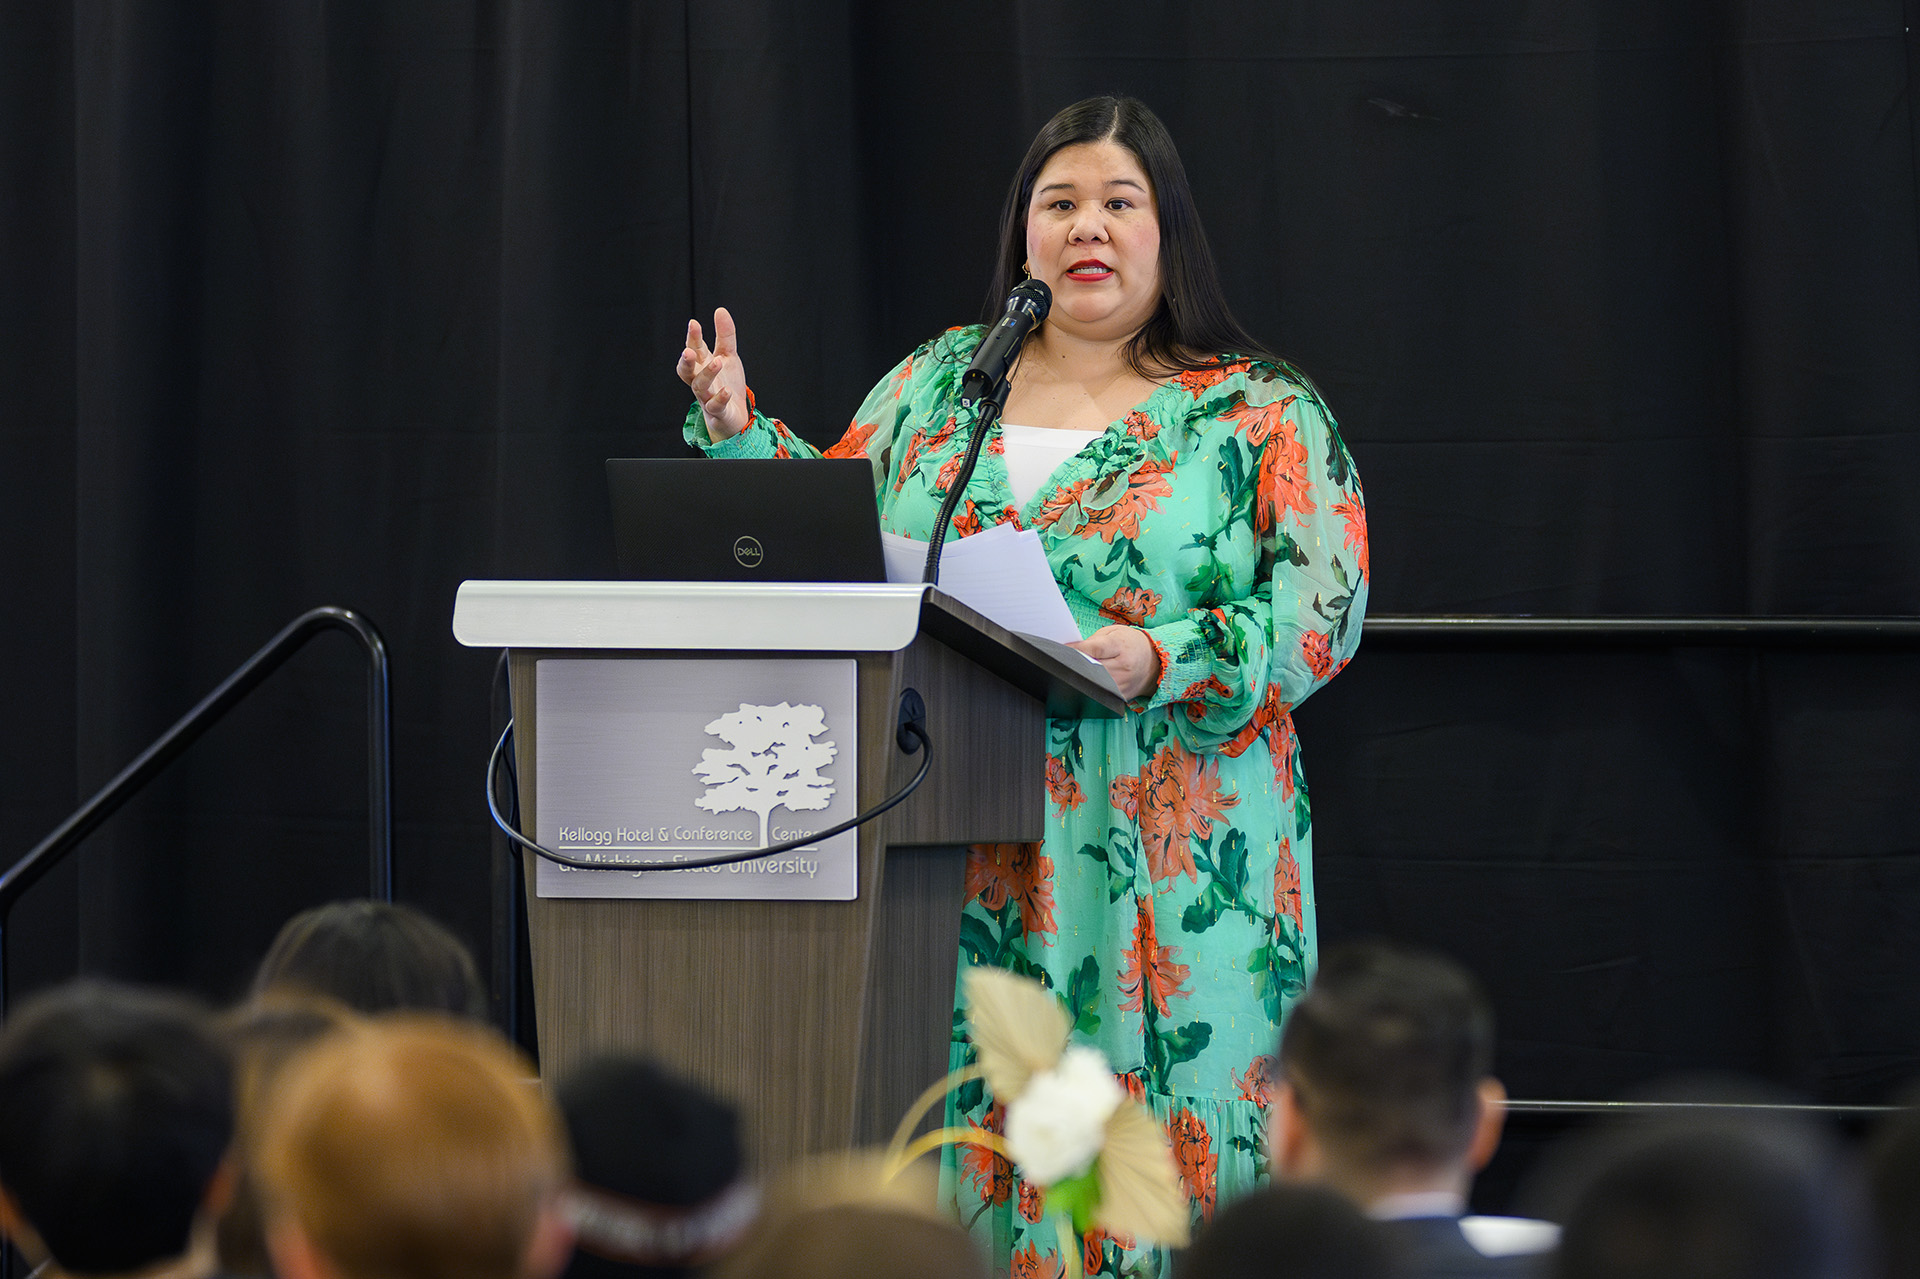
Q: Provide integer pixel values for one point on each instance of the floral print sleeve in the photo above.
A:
(887, 410)
(1294, 516)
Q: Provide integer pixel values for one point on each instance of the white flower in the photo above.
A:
(1057, 1124)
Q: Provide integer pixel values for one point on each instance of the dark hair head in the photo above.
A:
(653, 1140)
(116, 1108)
(1291, 1232)
(1193, 325)
(1386, 1052)
(1715, 1198)
(373, 957)
(265, 1035)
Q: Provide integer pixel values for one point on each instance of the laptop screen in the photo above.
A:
(739, 520)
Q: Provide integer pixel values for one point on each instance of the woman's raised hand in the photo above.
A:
(716, 377)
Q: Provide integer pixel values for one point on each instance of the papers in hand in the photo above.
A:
(1000, 572)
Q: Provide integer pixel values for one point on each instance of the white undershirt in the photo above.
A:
(1035, 452)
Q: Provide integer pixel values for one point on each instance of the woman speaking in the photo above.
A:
(1206, 526)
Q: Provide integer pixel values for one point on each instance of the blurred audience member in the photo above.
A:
(657, 1172)
(410, 1147)
(1291, 1232)
(1713, 1197)
(116, 1115)
(1894, 1170)
(842, 1217)
(851, 1241)
(374, 957)
(264, 1036)
(1385, 1095)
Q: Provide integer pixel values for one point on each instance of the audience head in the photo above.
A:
(1291, 1232)
(410, 1147)
(843, 1215)
(1717, 1197)
(657, 1172)
(1384, 1083)
(1894, 1175)
(264, 1035)
(373, 957)
(116, 1114)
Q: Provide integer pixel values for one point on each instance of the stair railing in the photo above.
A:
(23, 874)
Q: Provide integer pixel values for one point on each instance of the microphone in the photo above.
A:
(985, 383)
(1027, 305)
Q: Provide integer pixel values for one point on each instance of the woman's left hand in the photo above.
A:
(1128, 655)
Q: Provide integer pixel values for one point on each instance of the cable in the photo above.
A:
(912, 725)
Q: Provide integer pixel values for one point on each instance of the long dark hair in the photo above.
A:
(1193, 324)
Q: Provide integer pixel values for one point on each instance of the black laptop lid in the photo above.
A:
(710, 520)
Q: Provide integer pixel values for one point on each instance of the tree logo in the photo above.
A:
(774, 763)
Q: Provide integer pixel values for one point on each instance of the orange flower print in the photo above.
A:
(1145, 487)
(1268, 715)
(854, 442)
(1201, 687)
(1256, 1083)
(1258, 421)
(1286, 886)
(909, 460)
(1175, 797)
(1283, 484)
(1062, 787)
(1030, 1263)
(949, 472)
(966, 520)
(1355, 512)
(1147, 971)
(1093, 1252)
(1317, 649)
(991, 1171)
(1284, 744)
(1196, 381)
(1193, 1153)
(1140, 426)
(1059, 502)
(999, 873)
(1136, 1088)
(1032, 1202)
(1131, 605)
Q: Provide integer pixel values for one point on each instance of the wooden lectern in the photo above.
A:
(822, 1019)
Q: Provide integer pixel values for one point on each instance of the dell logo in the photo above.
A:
(747, 552)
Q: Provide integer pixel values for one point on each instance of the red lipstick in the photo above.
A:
(1075, 271)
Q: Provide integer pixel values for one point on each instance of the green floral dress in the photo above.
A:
(1171, 905)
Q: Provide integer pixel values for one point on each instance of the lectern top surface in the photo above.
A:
(837, 617)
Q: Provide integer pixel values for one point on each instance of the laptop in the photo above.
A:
(741, 520)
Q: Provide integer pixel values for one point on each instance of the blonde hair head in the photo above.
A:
(410, 1147)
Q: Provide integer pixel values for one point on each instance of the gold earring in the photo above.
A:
(1026, 270)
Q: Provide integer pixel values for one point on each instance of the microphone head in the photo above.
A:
(1033, 297)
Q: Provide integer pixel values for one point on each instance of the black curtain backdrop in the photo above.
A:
(1618, 302)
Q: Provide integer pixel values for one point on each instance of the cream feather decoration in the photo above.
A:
(1019, 1032)
(1018, 1028)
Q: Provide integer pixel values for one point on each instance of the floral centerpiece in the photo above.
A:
(1096, 1155)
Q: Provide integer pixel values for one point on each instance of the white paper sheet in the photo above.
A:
(999, 572)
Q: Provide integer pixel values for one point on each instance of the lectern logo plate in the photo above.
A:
(644, 761)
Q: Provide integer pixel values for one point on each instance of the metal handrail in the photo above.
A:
(1430, 632)
(24, 873)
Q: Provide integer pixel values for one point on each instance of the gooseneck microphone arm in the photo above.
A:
(983, 389)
